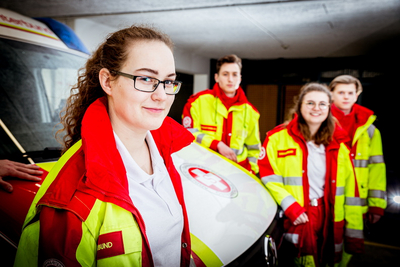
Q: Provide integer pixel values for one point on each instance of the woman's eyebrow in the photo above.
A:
(155, 72)
(148, 70)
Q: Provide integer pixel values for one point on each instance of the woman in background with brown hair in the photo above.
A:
(308, 171)
(115, 198)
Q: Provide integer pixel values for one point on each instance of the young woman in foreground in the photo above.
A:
(114, 198)
(308, 171)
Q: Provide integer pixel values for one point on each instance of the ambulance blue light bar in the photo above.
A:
(65, 33)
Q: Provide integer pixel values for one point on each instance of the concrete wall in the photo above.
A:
(92, 34)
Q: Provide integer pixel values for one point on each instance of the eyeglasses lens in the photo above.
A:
(148, 84)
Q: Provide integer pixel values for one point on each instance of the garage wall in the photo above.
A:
(92, 34)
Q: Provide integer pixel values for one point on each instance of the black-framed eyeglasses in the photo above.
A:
(321, 105)
(149, 85)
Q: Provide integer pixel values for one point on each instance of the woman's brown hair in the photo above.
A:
(325, 131)
(110, 55)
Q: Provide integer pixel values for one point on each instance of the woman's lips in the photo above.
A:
(154, 110)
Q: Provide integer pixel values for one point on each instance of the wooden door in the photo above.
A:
(265, 99)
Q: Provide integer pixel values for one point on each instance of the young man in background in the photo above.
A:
(366, 148)
(223, 119)
(366, 144)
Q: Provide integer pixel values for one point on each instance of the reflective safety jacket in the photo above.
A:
(283, 170)
(83, 215)
(211, 122)
(367, 155)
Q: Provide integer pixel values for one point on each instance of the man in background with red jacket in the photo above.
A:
(223, 119)
(365, 145)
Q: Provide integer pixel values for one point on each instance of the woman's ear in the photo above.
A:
(105, 80)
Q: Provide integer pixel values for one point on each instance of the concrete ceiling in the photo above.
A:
(249, 28)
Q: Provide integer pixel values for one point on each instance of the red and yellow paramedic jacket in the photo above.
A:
(283, 170)
(367, 155)
(83, 214)
(207, 118)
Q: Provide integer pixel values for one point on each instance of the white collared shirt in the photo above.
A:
(316, 166)
(155, 198)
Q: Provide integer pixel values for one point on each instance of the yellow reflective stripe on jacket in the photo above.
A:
(208, 114)
(47, 166)
(206, 255)
(369, 165)
(49, 179)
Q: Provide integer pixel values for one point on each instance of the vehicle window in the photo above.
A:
(35, 82)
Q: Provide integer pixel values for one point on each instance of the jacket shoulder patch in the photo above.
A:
(109, 245)
(187, 122)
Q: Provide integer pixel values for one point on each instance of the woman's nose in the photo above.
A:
(159, 93)
(316, 106)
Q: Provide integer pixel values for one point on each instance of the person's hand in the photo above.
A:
(303, 218)
(18, 170)
(226, 151)
(373, 218)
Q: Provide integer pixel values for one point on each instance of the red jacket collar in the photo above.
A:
(105, 170)
(360, 113)
(240, 96)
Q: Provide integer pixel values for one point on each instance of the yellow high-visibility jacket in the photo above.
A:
(367, 155)
(207, 118)
(83, 215)
(283, 170)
